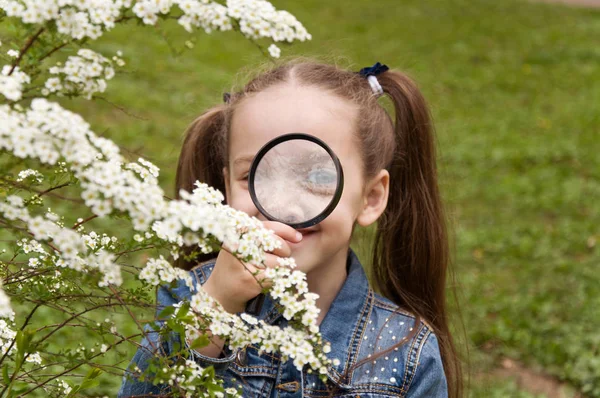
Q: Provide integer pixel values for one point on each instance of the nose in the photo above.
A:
(287, 209)
(293, 214)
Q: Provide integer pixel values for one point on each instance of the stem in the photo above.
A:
(131, 315)
(13, 278)
(55, 49)
(84, 221)
(60, 326)
(236, 27)
(120, 108)
(53, 188)
(22, 186)
(57, 376)
(25, 230)
(14, 375)
(22, 52)
(133, 250)
(22, 327)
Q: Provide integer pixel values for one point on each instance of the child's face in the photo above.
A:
(286, 109)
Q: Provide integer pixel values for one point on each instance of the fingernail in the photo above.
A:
(298, 236)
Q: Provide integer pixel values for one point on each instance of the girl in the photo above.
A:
(394, 344)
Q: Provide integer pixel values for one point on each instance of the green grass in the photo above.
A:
(512, 89)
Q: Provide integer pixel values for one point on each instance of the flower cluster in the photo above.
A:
(34, 174)
(70, 244)
(186, 377)
(200, 217)
(5, 308)
(110, 184)
(75, 18)
(65, 388)
(259, 19)
(289, 288)
(52, 282)
(95, 241)
(246, 329)
(78, 19)
(48, 132)
(11, 84)
(7, 337)
(159, 270)
(85, 74)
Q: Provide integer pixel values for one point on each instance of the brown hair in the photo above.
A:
(411, 253)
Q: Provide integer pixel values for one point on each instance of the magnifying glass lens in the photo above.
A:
(296, 181)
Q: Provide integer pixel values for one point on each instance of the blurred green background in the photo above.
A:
(513, 87)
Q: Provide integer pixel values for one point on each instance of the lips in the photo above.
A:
(307, 231)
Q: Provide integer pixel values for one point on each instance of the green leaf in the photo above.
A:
(166, 312)
(23, 343)
(200, 342)
(88, 382)
(5, 374)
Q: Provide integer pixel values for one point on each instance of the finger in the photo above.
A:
(271, 261)
(284, 231)
(284, 249)
(258, 271)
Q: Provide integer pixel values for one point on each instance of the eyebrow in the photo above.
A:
(243, 159)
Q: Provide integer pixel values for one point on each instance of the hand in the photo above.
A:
(232, 285)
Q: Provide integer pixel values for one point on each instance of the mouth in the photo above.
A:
(307, 231)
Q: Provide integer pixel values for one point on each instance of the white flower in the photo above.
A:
(5, 309)
(65, 387)
(274, 51)
(12, 53)
(47, 133)
(11, 86)
(35, 358)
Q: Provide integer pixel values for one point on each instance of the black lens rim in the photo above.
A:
(297, 136)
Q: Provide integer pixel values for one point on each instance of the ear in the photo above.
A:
(226, 180)
(375, 198)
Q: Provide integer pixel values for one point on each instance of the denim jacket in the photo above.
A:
(358, 323)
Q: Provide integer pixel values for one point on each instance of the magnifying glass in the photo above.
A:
(295, 179)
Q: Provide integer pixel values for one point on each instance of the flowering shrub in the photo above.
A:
(56, 269)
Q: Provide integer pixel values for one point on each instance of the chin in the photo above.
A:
(301, 260)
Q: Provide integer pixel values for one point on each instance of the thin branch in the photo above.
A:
(132, 251)
(22, 327)
(53, 188)
(73, 317)
(22, 186)
(53, 51)
(116, 294)
(120, 108)
(84, 221)
(23, 50)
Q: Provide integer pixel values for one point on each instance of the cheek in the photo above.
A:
(342, 218)
(239, 199)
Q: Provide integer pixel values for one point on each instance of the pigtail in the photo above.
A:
(411, 252)
(202, 158)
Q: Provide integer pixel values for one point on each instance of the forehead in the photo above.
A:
(288, 108)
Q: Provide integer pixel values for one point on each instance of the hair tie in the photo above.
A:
(226, 97)
(371, 74)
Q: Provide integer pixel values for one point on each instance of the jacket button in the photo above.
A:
(241, 357)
